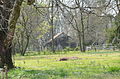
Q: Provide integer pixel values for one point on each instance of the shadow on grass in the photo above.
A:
(37, 74)
(58, 74)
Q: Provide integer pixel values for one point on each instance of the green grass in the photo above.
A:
(100, 65)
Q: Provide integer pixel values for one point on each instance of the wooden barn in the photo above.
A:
(61, 41)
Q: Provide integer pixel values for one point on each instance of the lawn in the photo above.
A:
(100, 65)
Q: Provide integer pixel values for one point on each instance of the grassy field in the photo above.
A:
(92, 65)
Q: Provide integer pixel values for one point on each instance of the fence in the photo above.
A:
(101, 47)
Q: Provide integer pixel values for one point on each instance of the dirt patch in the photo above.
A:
(68, 58)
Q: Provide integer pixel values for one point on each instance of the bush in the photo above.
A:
(114, 69)
(68, 49)
(77, 48)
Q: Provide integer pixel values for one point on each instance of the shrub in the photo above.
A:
(114, 69)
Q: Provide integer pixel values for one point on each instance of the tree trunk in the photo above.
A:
(27, 43)
(79, 36)
(52, 24)
(82, 34)
(8, 19)
(5, 53)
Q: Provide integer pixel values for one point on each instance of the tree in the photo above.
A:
(32, 28)
(9, 13)
(88, 17)
(113, 33)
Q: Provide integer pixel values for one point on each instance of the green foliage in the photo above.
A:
(117, 20)
(68, 49)
(111, 34)
(43, 28)
(77, 48)
(114, 69)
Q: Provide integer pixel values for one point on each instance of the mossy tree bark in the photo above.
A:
(5, 53)
(9, 13)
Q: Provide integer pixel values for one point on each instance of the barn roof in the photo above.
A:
(57, 35)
